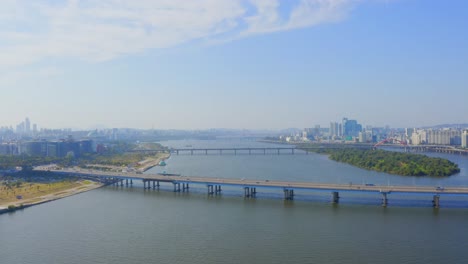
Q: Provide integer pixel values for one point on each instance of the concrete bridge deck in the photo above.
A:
(214, 185)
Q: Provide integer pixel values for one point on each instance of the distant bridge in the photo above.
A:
(252, 151)
(214, 185)
(291, 149)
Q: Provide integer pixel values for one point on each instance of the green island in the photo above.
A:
(406, 164)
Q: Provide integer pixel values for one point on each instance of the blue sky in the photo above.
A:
(233, 63)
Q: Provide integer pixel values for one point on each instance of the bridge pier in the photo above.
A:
(131, 182)
(176, 186)
(288, 194)
(210, 189)
(335, 197)
(278, 151)
(185, 186)
(144, 184)
(126, 182)
(436, 201)
(250, 192)
(384, 199)
(154, 185)
(217, 189)
(121, 183)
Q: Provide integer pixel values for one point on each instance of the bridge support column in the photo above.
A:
(436, 201)
(185, 186)
(176, 187)
(121, 183)
(288, 194)
(154, 185)
(217, 189)
(384, 199)
(210, 189)
(335, 198)
(131, 182)
(144, 184)
(247, 192)
(126, 182)
(278, 151)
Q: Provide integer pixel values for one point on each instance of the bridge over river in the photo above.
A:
(215, 185)
(292, 149)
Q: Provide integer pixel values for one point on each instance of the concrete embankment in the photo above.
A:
(150, 163)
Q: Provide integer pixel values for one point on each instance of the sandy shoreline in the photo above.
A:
(50, 197)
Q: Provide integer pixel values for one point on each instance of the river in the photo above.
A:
(130, 225)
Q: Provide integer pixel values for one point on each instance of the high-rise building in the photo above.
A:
(334, 129)
(362, 137)
(409, 132)
(27, 126)
(351, 128)
(464, 139)
(343, 127)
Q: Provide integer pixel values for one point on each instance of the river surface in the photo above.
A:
(131, 225)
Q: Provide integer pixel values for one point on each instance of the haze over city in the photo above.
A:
(234, 64)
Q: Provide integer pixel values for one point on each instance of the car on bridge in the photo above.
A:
(440, 188)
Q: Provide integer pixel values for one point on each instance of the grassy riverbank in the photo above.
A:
(19, 194)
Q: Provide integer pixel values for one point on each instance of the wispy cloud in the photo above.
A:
(98, 30)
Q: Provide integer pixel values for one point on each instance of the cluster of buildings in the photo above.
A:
(46, 148)
(447, 136)
(349, 130)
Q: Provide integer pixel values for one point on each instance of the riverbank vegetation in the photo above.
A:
(14, 189)
(407, 164)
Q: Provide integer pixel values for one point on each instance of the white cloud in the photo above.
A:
(96, 30)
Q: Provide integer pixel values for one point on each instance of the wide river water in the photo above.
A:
(131, 225)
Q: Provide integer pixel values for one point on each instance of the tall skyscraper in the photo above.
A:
(351, 128)
(27, 126)
(464, 139)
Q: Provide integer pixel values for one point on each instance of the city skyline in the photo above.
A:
(233, 64)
